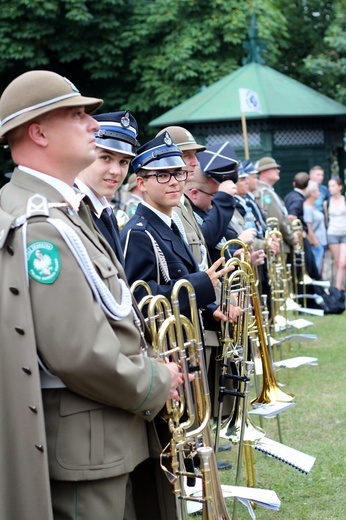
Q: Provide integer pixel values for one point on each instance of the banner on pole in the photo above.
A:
(249, 101)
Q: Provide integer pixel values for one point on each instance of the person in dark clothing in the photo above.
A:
(294, 202)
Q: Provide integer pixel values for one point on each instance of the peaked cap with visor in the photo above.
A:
(118, 132)
(158, 154)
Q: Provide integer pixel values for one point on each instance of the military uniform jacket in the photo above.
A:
(217, 218)
(193, 233)
(24, 476)
(141, 259)
(215, 221)
(95, 426)
(273, 206)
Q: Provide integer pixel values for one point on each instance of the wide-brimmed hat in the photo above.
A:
(266, 163)
(220, 162)
(158, 154)
(35, 93)
(183, 139)
(118, 132)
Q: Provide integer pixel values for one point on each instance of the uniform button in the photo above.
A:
(9, 249)
(27, 370)
(179, 271)
(19, 330)
(14, 290)
(33, 408)
(147, 412)
(39, 447)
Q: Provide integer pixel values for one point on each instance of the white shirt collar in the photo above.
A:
(62, 187)
(99, 205)
(167, 220)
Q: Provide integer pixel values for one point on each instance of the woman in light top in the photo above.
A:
(335, 212)
(314, 219)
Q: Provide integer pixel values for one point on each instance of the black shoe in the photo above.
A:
(223, 465)
(225, 447)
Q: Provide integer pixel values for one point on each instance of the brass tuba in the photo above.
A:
(188, 419)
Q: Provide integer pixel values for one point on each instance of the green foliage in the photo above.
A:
(150, 55)
(307, 22)
(185, 45)
(72, 37)
(329, 66)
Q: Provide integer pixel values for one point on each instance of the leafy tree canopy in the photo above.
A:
(329, 66)
(149, 55)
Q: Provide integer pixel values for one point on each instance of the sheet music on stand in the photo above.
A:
(263, 497)
(295, 458)
(301, 323)
(270, 410)
(296, 362)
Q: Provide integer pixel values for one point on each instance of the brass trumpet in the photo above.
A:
(188, 419)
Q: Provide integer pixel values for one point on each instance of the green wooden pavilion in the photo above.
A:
(298, 126)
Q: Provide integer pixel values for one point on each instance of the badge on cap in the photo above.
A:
(72, 85)
(44, 263)
(125, 120)
(167, 139)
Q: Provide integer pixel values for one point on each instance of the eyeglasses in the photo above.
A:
(165, 177)
(206, 192)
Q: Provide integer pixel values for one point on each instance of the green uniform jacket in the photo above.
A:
(24, 478)
(273, 206)
(95, 427)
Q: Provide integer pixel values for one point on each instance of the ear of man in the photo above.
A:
(37, 134)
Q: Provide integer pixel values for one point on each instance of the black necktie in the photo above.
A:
(113, 239)
(176, 231)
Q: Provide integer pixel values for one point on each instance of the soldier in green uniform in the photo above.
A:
(270, 202)
(73, 429)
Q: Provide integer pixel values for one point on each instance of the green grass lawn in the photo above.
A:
(316, 425)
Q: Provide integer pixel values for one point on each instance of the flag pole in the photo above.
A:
(244, 128)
